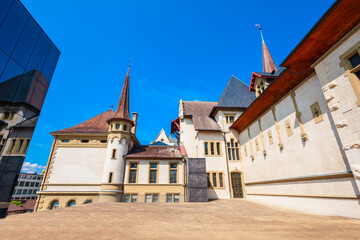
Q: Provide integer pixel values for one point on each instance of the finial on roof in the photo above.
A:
(112, 106)
(268, 61)
(122, 110)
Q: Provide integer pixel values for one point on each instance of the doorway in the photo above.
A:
(237, 185)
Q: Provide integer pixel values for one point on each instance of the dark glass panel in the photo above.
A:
(40, 52)
(173, 176)
(153, 174)
(12, 69)
(221, 184)
(208, 180)
(355, 60)
(4, 8)
(4, 58)
(26, 44)
(214, 180)
(12, 27)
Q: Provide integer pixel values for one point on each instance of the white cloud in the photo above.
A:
(32, 167)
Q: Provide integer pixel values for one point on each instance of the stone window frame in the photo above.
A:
(216, 153)
(173, 197)
(137, 172)
(152, 197)
(11, 115)
(233, 149)
(210, 174)
(350, 70)
(177, 172)
(227, 118)
(157, 172)
(15, 148)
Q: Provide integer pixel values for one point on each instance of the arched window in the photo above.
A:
(124, 127)
(54, 205)
(71, 203)
(88, 201)
(117, 126)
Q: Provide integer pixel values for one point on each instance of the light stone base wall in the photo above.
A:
(328, 206)
(142, 189)
(80, 199)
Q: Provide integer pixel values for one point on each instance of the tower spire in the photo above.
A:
(122, 110)
(268, 61)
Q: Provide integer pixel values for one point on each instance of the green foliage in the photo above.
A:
(19, 203)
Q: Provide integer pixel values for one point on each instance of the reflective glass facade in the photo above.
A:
(27, 63)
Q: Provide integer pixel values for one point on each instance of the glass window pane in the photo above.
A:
(155, 198)
(176, 197)
(12, 27)
(26, 43)
(212, 148)
(168, 197)
(221, 184)
(153, 176)
(133, 197)
(214, 180)
(40, 52)
(127, 198)
(355, 60)
(4, 8)
(218, 148)
(173, 165)
(50, 63)
(132, 178)
(229, 153)
(148, 198)
(237, 154)
(208, 180)
(173, 176)
(12, 69)
(153, 165)
(206, 148)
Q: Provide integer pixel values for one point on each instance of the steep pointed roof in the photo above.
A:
(122, 110)
(236, 95)
(270, 71)
(96, 124)
(268, 62)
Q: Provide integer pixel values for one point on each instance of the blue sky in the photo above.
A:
(178, 50)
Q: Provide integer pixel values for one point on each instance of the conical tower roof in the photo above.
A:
(122, 110)
(268, 62)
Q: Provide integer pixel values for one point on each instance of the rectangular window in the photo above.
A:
(173, 172)
(176, 197)
(113, 154)
(169, 197)
(148, 198)
(32, 184)
(221, 184)
(18, 191)
(27, 184)
(133, 172)
(155, 198)
(21, 184)
(2, 143)
(153, 172)
(110, 177)
(24, 191)
(229, 118)
(233, 150)
(20, 145)
(127, 198)
(215, 180)
(208, 180)
(215, 148)
(37, 184)
(133, 197)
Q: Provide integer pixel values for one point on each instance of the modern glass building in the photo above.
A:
(27, 62)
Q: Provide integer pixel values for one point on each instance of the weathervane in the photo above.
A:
(260, 28)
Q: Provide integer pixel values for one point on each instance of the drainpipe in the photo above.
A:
(227, 163)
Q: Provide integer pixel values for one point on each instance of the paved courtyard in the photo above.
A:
(222, 219)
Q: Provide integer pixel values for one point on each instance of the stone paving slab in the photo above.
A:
(222, 219)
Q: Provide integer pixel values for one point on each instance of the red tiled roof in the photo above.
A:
(96, 124)
(14, 208)
(154, 151)
(29, 204)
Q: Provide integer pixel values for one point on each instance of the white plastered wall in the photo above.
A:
(77, 166)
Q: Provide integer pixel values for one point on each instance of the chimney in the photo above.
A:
(135, 116)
